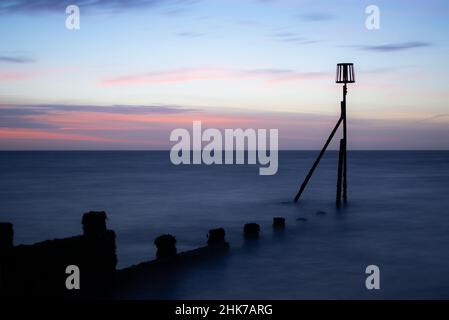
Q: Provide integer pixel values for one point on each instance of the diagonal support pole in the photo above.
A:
(317, 161)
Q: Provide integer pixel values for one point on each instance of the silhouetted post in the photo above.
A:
(94, 223)
(340, 172)
(6, 236)
(251, 230)
(278, 223)
(166, 246)
(6, 244)
(345, 163)
(216, 236)
(345, 75)
(317, 161)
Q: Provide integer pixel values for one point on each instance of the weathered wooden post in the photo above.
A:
(340, 172)
(94, 223)
(6, 236)
(166, 246)
(278, 223)
(6, 245)
(216, 236)
(251, 231)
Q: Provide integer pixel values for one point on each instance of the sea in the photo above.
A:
(396, 218)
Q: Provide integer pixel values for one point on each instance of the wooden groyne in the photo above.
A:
(169, 264)
(40, 270)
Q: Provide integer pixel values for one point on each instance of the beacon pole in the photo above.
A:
(345, 75)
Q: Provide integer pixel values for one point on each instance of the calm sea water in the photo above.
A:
(397, 219)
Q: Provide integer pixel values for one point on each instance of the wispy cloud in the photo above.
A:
(437, 117)
(15, 59)
(316, 16)
(33, 73)
(293, 38)
(143, 127)
(46, 135)
(18, 117)
(33, 6)
(7, 110)
(53, 116)
(212, 73)
(120, 109)
(394, 47)
(189, 34)
(99, 127)
(19, 75)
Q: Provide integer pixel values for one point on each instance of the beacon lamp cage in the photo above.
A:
(345, 73)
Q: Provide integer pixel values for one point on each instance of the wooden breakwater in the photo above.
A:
(40, 270)
(157, 277)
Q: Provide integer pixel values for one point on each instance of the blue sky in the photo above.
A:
(270, 63)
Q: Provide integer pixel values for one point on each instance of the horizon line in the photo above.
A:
(168, 150)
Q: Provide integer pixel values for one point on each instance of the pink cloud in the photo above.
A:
(131, 128)
(97, 121)
(23, 75)
(31, 74)
(36, 134)
(212, 73)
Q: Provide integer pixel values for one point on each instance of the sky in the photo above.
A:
(137, 69)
